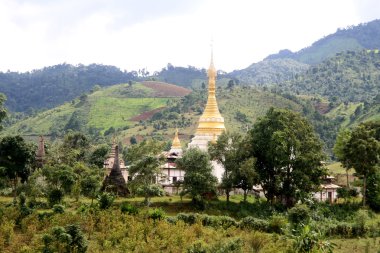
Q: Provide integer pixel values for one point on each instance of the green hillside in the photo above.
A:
(137, 111)
(240, 108)
(269, 72)
(51, 86)
(112, 107)
(348, 77)
(363, 36)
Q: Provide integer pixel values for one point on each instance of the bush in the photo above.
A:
(218, 221)
(276, 224)
(157, 214)
(70, 238)
(55, 196)
(188, 218)
(105, 200)
(128, 208)
(197, 247)
(250, 222)
(229, 246)
(58, 209)
(299, 214)
(373, 191)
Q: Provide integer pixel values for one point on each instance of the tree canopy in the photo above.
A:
(3, 112)
(198, 180)
(16, 158)
(362, 151)
(288, 156)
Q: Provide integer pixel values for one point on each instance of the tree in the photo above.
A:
(288, 154)
(373, 191)
(339, 148)
(99, 156)
(74, 148)
(90, 185)
(246, 176)
(60, 179)
(226, 152)
(16, 158)
(198, 179)
(3, 112)
(362, 151)
(133, 140)
(146, 160)
(231, 84)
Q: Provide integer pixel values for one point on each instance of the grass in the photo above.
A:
(43, 122)
(337, 168)
(107, 112)
(358, 245)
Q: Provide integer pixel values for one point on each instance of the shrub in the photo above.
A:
(218, 221)
(197, 247)
(157, 214)
(68, 239)
(229, 246)
(105, 200)
(171, 220)
(58, 209)
(128, 208)
(188, 218)
(276, 224)
(250, 222)
(55, 196)
(299, 214)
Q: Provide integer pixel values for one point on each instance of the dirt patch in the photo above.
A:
(147, 115)
(165, 89)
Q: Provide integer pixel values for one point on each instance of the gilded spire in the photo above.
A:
(176, 142)
(211, 122)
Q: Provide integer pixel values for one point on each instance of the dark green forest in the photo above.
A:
(51, 86)
(352, 76)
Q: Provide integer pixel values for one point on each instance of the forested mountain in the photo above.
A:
(348, 77)
(271, 71)
(180, 75)
(51, 86)
(363, 36)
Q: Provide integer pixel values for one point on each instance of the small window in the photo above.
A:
(174, 179)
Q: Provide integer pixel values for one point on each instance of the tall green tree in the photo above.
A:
(224, 151)
(60, 180)
(362, 151)
(288, 154)
(16, 159)
(99, 156)
(342, 139)
(373, 190)
(198, 179)
(232, 151)
(145, 167)
(246, 176)
(3, 112)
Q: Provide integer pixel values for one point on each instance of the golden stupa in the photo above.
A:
(211, 123)
(176, 144)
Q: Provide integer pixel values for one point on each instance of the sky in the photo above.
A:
(136, 34)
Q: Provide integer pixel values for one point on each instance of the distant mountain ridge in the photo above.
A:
(362, 36)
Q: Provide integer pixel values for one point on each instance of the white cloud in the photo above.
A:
(137, 34)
